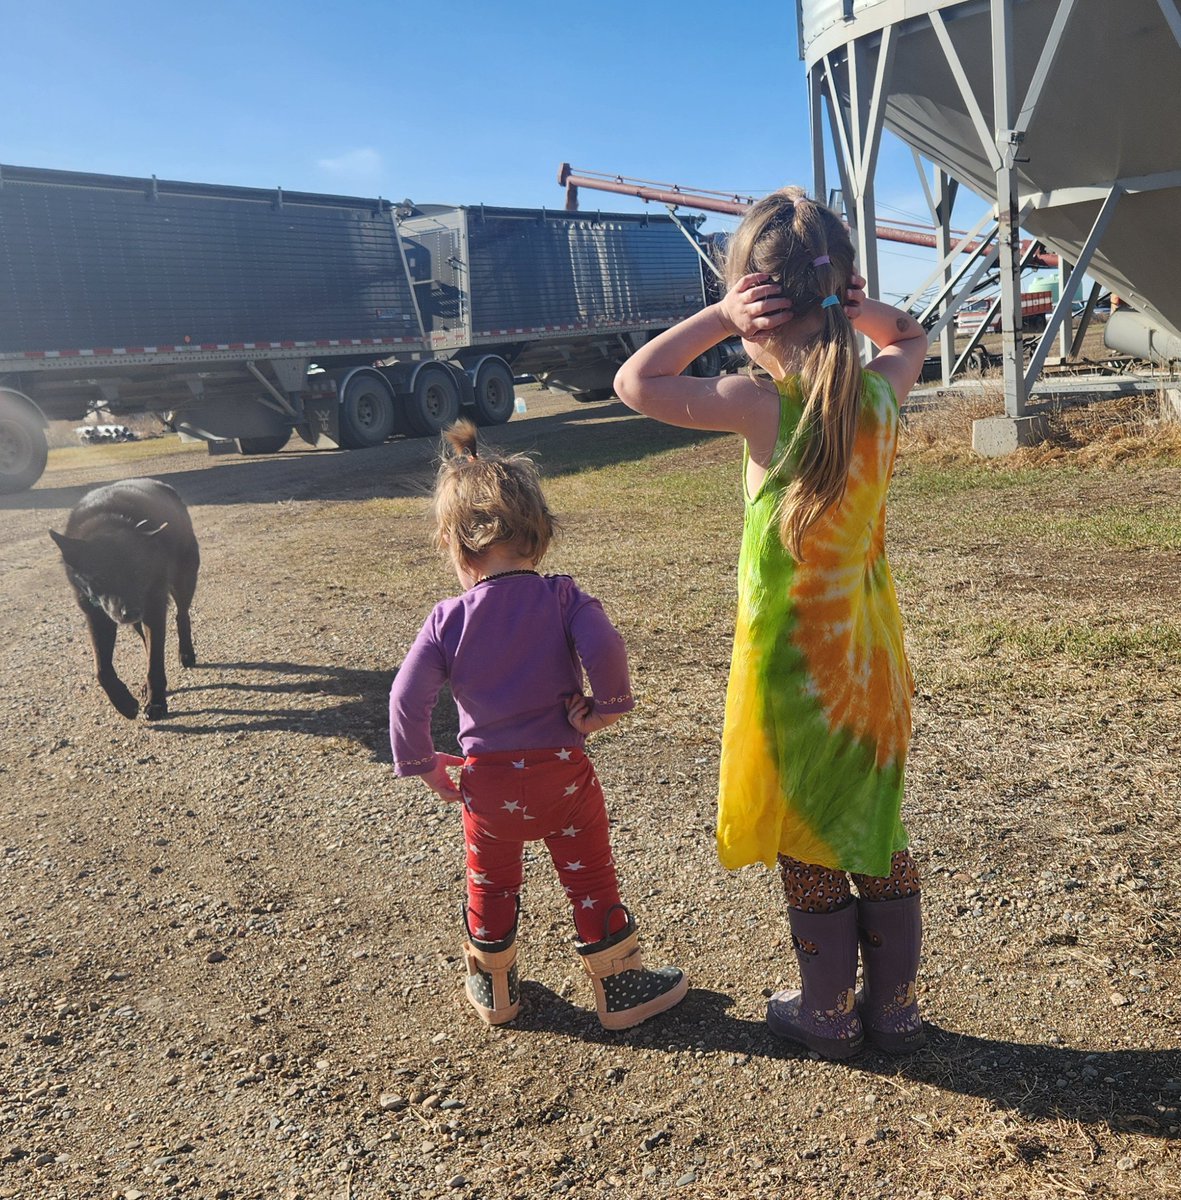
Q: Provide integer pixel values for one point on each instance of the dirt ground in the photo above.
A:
(230, 945)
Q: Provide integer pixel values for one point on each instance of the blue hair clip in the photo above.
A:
(829, 301)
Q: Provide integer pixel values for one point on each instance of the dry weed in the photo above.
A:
(941, 430)
(1123, 430)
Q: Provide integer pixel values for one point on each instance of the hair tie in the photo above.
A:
(822, 261)
(829, 301)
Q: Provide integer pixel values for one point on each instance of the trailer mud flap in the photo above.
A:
(321, 425)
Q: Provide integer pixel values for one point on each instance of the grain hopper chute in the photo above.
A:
(1065, 114)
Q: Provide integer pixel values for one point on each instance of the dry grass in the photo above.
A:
(1129, 430)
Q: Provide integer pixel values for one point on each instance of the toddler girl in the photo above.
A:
(513, 647)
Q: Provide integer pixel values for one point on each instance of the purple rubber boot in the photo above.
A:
(891, 938)
(823, 1014)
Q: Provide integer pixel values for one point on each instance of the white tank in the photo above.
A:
(1110, 111)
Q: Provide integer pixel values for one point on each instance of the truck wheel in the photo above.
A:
(263, 445)
(434, 402)
(23, 448)
(707, 365)
(494, 393)
(366, 412)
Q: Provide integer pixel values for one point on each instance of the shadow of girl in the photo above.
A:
(1128, 1091)
(325, 701)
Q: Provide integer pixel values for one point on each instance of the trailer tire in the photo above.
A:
(271, 444)
(433, 403)
(23, 448)
(367, 414)
(494, 400)
(707, 365)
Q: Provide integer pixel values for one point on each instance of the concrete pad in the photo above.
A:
(1170, 405)
(994, 436)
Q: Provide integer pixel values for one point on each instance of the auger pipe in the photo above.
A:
(721, 202)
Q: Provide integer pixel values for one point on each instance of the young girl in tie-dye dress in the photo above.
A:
(818, 706)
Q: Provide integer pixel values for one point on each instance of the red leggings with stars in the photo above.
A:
(553, 795)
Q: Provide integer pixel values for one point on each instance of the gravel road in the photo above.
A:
(229, 947)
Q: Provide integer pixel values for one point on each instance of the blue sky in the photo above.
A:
(451, 102)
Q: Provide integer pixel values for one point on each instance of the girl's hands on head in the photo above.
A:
(854, 297)
(754, 307)
(439, 781)
(580, 712)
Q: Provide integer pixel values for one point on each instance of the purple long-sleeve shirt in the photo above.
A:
(513, 649)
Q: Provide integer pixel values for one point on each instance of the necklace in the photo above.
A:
(504, 575)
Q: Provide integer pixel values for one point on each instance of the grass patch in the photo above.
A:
(1080, 641)
(118, 453)
(1117, 528)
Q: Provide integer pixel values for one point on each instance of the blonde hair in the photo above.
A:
(483, 500)
(783, 235)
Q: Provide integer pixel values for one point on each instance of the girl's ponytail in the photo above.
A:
(484, 500)
(831, 379)
(806, 249)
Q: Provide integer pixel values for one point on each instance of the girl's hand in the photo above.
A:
(580, 712)
(754, 307)
(439, 781)
(854, 297)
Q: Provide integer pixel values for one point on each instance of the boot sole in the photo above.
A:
(837, 1049)
(884, 1040)
(896, 1043)
(635, 1016)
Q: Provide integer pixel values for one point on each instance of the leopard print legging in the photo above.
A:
(822, 890)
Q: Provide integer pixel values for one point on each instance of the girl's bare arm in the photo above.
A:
(651, 381)
(901, 342)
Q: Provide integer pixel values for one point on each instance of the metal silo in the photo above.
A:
(1066, 114)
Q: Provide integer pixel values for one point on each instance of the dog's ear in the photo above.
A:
(74, 551)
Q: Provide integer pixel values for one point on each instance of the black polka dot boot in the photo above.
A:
(492, 984)
(627, 992)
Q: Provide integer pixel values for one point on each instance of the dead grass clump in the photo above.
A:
(1122, 430)
(941, 430)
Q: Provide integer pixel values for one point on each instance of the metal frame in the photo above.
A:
(861, 57)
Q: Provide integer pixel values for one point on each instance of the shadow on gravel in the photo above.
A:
(1130, 1091)
(564, 443)
(356, 708)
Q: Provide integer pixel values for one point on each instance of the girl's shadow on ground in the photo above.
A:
(356, 704)
(1132, 1091)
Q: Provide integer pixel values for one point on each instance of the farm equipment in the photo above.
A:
(242, 314)
(1035, 307)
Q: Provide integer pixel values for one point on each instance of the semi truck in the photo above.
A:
(241, 314)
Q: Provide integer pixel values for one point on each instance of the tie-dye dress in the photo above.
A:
(818, 704)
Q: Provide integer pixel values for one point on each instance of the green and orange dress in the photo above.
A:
(818, 704)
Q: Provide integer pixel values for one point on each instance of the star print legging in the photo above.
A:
(510, 798)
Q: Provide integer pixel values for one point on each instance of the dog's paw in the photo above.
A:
(125, 703)
(156, 709)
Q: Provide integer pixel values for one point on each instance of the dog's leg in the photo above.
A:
(186, 585)
(155, 625)
(102, 640)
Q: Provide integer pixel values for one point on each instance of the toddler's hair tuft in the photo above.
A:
(486, 499)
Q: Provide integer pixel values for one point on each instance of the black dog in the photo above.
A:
(127, 548)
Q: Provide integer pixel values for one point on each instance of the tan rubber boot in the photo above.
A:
(627, 992)
(493, 987)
